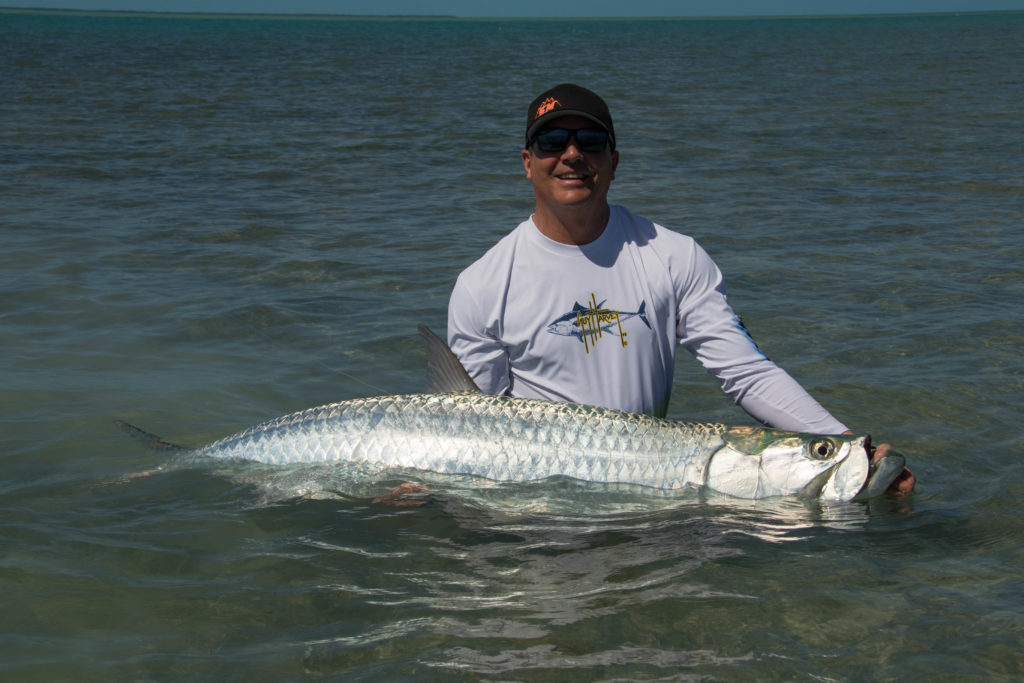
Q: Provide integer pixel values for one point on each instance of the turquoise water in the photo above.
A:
(212, 221)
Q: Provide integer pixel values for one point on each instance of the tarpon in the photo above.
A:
(457, 430)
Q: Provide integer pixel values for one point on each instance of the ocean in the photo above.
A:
(209, 221)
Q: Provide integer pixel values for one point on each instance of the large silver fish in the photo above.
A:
(456, 430)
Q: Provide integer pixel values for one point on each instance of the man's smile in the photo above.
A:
(572, 175)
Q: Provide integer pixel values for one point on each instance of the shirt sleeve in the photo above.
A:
(709, 329)
(475, 343)
(772, 397)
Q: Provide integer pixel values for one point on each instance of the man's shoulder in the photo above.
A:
(498, 257)
(644, 232)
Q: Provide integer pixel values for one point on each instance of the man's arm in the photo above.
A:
(474, 344)
(771, 396)
(709, 329)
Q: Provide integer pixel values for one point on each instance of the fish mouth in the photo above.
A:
(881, 474)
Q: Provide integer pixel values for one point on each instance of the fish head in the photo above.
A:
(761, 463)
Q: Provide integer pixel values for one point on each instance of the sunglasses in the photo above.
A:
(557, 139)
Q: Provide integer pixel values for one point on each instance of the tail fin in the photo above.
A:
(642, 314)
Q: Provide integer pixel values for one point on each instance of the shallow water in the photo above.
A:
(209, 222)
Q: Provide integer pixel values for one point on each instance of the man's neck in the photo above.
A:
(572, 225)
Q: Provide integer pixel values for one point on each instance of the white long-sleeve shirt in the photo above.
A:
(598, 324)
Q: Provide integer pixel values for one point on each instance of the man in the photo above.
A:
(586, 302)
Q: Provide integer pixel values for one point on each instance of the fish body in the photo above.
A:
(457, 430)
(513, 439)
(495, 437)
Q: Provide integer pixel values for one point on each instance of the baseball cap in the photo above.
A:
(568, 99)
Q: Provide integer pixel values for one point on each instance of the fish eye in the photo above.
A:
(822, 448)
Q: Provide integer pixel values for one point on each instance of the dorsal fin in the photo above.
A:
(445, 373)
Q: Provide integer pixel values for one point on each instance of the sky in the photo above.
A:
(535, 8)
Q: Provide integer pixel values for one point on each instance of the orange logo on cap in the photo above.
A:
(546, 106)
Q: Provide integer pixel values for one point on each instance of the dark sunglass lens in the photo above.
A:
(591, 140)
(554, 140)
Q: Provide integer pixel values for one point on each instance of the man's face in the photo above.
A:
(570, 177)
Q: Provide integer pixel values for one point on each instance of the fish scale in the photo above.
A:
(500, 438)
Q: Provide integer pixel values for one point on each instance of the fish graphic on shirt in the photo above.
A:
(589, 323)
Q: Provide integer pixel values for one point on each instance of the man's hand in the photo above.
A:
(404, 496)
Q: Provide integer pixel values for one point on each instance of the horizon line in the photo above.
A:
(442, 17)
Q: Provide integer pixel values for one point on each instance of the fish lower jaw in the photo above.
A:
(881, 475)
